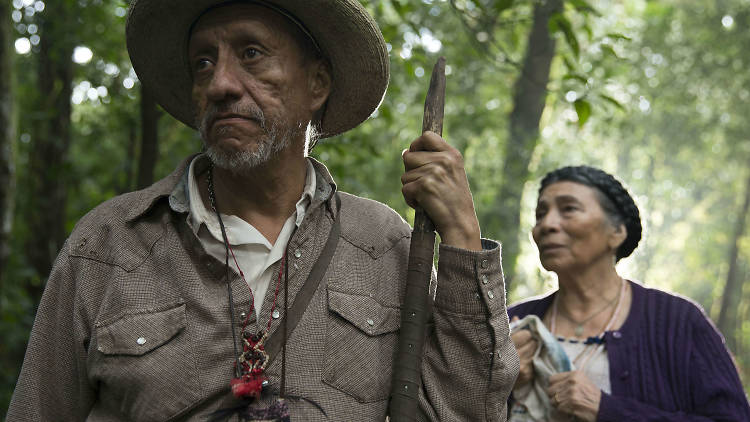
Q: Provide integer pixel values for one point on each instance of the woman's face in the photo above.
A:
(572, 231)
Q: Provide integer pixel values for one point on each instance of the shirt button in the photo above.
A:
(485, 264)
(484, 279)
(625, 374)
(275, 314)
(243, 315)
(141, 341)
(490, 295)
(616, 334)
(370, 322)
(297, 253)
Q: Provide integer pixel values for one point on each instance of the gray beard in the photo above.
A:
(276, 137)
(269, 146)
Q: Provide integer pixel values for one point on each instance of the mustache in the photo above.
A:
(246, 110)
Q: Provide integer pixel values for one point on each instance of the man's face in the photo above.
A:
(254, 91)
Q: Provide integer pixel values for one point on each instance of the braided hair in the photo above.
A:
(612, 196)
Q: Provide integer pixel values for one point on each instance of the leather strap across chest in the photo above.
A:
(294, 314)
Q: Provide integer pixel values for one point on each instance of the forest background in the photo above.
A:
(654, 92)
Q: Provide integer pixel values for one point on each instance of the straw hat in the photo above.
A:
(158, 33)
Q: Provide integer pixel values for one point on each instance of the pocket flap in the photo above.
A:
(136, 334)
(364, 312)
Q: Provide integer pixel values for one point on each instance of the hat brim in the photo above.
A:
(157, 35)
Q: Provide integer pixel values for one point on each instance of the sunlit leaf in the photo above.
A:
(618, 36)
(583, 109)
(612, 101)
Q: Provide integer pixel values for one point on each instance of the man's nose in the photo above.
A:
(225, 82)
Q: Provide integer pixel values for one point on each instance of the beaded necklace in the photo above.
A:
(250, 365)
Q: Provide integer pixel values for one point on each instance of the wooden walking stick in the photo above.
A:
(407, 366)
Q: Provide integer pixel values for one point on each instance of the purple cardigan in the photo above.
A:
(667, 362)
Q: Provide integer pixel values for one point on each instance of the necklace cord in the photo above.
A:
(226, 267)
(283, 268)
(564, 313)
(282, 388)
(600, 336)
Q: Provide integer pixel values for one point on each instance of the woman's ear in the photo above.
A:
(319, 84)
(618, 236)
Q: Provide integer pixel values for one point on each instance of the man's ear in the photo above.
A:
(320, 85)
(618, 236)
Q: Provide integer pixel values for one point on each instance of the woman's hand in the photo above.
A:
(574, 393)
(525, 346)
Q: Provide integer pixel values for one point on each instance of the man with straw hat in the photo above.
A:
(243, 285)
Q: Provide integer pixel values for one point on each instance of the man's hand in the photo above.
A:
(526, 345)
(435, 180)
(575, 394)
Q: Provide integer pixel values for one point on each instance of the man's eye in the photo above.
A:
(202, 64)
(251, 53)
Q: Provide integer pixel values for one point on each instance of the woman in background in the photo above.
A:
(640, 354)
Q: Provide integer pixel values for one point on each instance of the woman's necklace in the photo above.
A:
(250, 373)
(587, 355)
(580, 324)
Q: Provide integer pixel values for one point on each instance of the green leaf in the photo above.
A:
(558, 22)
(569, 63)
(500, 6)
(618, 36)
(609, 50)
(583, 109)
(577, 77)
(612, 101)
(584, 6)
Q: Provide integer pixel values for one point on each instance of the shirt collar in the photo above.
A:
(238, 231)
(174, 188)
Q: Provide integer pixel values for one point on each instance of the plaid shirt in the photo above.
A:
(134, 324)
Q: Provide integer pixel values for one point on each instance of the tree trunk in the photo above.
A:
(733, 289)
(50, 141)
(149, 139)
(7, 136)
(530, 93)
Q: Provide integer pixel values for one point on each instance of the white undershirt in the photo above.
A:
(254, 253)
(597, 368)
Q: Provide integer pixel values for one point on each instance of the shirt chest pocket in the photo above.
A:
(360, 345)
(145, 368)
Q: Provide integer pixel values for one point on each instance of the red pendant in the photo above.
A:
(253, 361)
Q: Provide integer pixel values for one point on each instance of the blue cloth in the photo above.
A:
(668, 362)
(550, 345)
(531, 402)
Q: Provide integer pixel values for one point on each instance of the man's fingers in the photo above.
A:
(429, 141)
